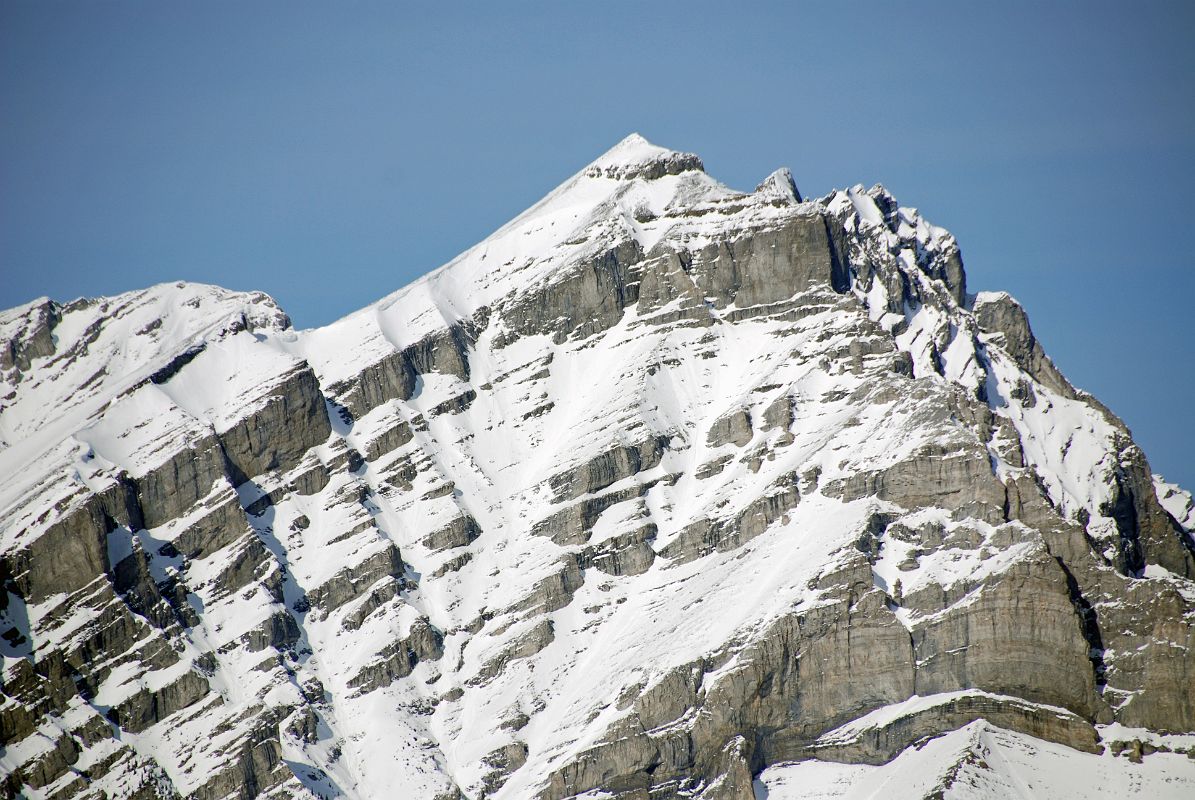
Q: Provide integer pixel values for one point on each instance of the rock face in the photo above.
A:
(660, 491)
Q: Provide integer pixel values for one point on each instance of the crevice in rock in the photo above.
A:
(1122, 508)
(1089, 625)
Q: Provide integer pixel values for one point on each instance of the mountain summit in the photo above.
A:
(635, 157)
(663, 490)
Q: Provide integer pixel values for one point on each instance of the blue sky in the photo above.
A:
(330, 153)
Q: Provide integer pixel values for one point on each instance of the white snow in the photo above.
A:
(982, 761)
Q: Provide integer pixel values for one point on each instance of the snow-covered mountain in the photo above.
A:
(662, 490)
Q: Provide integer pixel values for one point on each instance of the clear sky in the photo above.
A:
(328, 153)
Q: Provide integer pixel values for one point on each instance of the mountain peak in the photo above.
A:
(662, 487)
(635, 157)
(780, 186)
